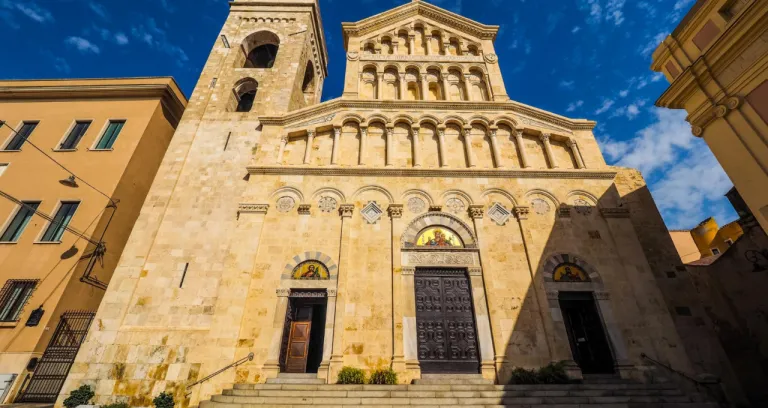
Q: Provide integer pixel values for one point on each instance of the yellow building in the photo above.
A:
(716, 61)
(110, 134)
(706, 240)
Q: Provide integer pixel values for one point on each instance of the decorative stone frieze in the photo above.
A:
(475, 271)
(407, 271)
(437, 258)
(244, 208)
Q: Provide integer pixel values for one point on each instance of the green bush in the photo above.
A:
(164, 400)
(80, 396)
(385, 376)
(553, 373)
(116, 405)
(350, 375)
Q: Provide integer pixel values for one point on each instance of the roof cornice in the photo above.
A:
(447, 106)
(419, 8)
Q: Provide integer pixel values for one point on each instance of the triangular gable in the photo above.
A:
(419, 8)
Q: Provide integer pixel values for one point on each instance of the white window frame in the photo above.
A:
(101, 135)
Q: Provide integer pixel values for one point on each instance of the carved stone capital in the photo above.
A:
(284, 140)
(571, 143)
(337, 131)
(475, 271)
(519, 133)
(304, 209)
(614, 212)
(283, 292)
(697, 131)
(493, 133)
(244, 208)
(310, 133)
(395, 210)
(553, 295)
(346, 210)
(332, 293)
(476, 211)
(602, 296)
(545, 137)
(407, 270)
(522, 213)
(435, 208)
(564, 211)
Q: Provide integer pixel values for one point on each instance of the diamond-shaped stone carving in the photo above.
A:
(327, 204)
(499, 214)
(372, 212)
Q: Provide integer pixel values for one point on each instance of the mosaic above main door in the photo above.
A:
(310, 270)
(440, 238)
(569, 272)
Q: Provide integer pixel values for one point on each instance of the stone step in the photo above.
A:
(292, 379)
(405, 393)
(454, 387)
(463, 379)
(444, 403)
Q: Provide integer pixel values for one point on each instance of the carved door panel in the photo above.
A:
(445, 322)
(298, 341)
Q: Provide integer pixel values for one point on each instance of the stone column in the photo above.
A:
(398, 355)
(424, 86)
(379, 85)
(488, 87)
(480, 301)
(410, 333)
(521, 148)
(468, 146)
(401, 85)
(416, 146)
(308, 150)
(283, 143)
(576, 153)
(444, 77)
(496, 151)
(337, 351)
(548, 150)
(330, 314)
(336, 141)
(465, 84)
(272, 365)
(412, 44)
(363, 144)
(390, 146)
(441, 145)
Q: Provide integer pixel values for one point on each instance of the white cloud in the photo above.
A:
(121, 39)
(82, 45)
(624, 93)
(632, 111)
(611, 11)
(28, 8)
(574, 105)
(652, 43)
(656, 77)
(98, 9)
(157, 39)
(614, 11)
(567, 84)
(607, 104)
(575, 30)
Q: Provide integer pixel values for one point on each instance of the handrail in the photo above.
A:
(214, 374)
(717, 396)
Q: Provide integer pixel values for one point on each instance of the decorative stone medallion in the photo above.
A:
(416, 205)
(285, 204)
(353, 55)
(327, 204)
(372, 212)
(491, 58)
(540, 206)
(499, 214)
(455, 205)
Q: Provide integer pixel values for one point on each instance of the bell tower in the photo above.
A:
(270, 58)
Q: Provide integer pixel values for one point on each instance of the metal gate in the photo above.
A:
(445, 321)
(54, 366)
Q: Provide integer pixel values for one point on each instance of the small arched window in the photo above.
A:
(308, 85)
(245, 94)
(260, 50)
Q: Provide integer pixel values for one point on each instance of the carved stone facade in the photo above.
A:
(355, 160)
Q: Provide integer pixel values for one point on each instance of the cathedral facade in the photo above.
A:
(422, 221)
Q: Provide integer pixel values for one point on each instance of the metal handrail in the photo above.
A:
(214, 374)
(717, 396)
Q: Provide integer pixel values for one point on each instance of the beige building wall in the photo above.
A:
(685, 245)
(151, 108)
(243, 197)
(715, 61)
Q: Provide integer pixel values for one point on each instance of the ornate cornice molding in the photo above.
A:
(524, 114)
(420, 58)
(415, 172)
(244, 208)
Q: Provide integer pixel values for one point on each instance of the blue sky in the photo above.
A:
(579, 58)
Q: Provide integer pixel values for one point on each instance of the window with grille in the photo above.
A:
(21, 136)
(13, 297)
(110, 135)
(60, 222)
(13, 232)
(74, 136)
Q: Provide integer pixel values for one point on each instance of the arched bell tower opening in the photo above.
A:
(244, 95)
(260, 50)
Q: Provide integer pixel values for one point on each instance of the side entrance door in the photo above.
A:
(585, 333)
(445, 322)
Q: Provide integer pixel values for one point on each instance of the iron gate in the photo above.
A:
(54, 366)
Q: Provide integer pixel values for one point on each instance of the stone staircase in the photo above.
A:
(452, 391)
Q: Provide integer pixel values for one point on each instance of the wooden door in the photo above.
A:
(298, 341)
(585, 333)
(445, 322)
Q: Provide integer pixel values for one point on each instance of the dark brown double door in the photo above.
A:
(585, 333)
(304, 332)
(445, 322)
